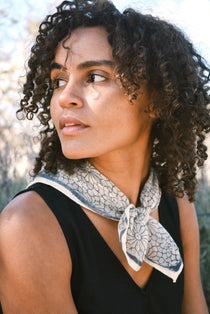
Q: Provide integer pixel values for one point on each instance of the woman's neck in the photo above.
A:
(129, 172)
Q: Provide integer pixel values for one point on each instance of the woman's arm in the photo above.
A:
(194, 301)
(35, 264)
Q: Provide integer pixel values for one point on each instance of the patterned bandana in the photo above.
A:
(142, 237)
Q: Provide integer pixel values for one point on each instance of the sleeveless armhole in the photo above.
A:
(169, 218)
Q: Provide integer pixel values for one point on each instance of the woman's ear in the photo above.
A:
(151, 112)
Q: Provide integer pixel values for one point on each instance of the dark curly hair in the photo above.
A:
(148, 51)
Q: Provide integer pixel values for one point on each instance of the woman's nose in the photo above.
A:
(71, 95)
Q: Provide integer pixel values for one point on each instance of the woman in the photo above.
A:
(108, 222)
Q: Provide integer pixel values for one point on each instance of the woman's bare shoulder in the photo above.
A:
(188, 223)
(28, 222)
(193, 301)
(34, 256)
(25, 215)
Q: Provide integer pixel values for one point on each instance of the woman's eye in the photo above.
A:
(96, 78)
(58, 83)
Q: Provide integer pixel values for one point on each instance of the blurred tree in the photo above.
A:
(17, 149)
(11, 179)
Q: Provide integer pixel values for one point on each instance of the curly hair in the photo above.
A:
(146, 50)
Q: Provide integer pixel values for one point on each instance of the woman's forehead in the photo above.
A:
(86, 43)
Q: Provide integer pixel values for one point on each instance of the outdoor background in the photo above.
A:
(19, 21)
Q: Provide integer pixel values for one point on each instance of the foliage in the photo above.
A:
(203, 210)
(11, 189)
(13, 163)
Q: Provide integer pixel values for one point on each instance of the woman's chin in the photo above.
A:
(74, 155)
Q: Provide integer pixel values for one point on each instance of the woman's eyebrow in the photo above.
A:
(83, 65)
(58, 66)
(91, 63)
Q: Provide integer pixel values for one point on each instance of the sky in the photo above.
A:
(192, 16)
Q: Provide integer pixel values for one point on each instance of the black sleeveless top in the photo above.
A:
(99, 283)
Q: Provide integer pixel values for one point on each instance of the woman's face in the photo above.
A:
(90, 110)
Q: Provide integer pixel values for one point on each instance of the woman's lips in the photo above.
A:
(70, 125)
(72, 129)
